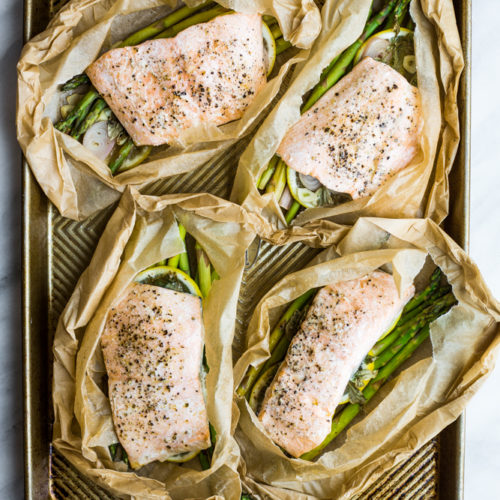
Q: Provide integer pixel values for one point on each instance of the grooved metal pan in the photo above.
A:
(57, 250)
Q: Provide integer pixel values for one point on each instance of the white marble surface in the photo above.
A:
(482, 465)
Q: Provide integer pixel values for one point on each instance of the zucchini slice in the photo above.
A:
(304, 196)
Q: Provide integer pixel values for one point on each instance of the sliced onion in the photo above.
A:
(96, 139)
(309, 182)
(286, 199)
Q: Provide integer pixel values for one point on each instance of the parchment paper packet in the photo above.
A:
(74, 179)
(142, 231)
(427, 394)
(422, 187)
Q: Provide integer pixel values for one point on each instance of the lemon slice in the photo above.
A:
(389, 330)
(136, 157)
(168, 277)
(377, 44)
(269, 48)
(304, 196)
(183, 457)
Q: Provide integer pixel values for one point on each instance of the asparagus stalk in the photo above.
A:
(121, 156)
(292, 211)
(201, 17)
(204, 271)
(268, 173)
(424, 294)
(340, 67)
(75, 82)
(206, 455)
(282, 45)
(276, 31)
(276, 335)
(402, 340)
(348, 414)
(437, 294)
(90, 119)
(429, 314)
(397, 15)
(79, 112)
(174, 261)
(277, 183)
(161, 25)
(184, 263)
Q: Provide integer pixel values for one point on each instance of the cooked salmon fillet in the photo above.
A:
(340, 327)
(208, 74)
(153, 346)
(363, 131)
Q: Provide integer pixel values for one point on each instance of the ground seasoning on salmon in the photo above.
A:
(152, 346)
(363, 131)
(207, 74)
(341, 325)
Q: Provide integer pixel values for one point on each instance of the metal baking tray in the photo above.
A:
(57, 250)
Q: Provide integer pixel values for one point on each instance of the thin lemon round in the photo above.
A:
(378, 42)
(136, 157)
(304, 196)
(183, 457)
(393, 325)
(269, 48)
(159, 274)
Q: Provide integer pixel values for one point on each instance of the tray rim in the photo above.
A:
(36, 214)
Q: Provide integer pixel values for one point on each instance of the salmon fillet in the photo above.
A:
(342, 324)
(208, 74)
(153, 346)
(363, 131)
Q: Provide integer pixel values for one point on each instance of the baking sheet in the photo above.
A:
(57, 250)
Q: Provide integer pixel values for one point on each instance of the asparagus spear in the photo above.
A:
(121, 156)
(277, 183)
(282, 45)
(78, 114)
(424, 294)
(184, 263)
(201, 17)
(276, 335)
(204, 271)
(348, 414)
(161, 25)
(292, 211)
(397, 15)
(429, 314)
(174, 261)
(340, 67)
(75, 82)
(268, 173)
(93, 115)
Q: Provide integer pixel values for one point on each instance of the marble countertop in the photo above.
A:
(482, 462)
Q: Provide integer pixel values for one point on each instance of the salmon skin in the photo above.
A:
(208, 74)
(340, 327)
(362, 132)
(153, 346)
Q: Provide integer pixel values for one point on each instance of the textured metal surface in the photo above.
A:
(57, 250)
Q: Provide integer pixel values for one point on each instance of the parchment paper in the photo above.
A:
(430, 391)
(74, 179)
(422, 187)
(143, 231)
